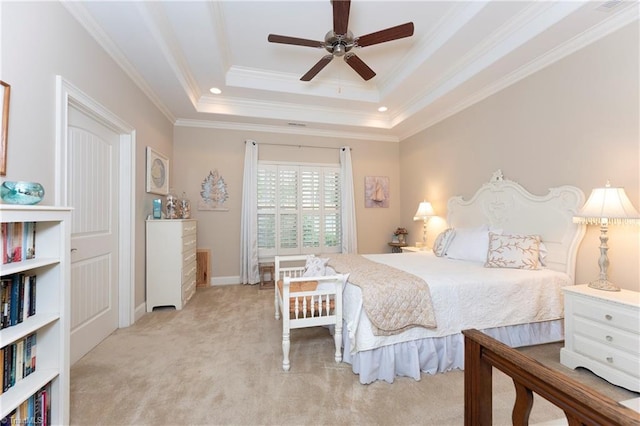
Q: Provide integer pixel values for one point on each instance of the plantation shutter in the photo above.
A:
(298, 209)
(288, 211)
(332, 224)
(267, 203)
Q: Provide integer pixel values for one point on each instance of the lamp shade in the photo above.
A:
(425, 211)
(609, 205)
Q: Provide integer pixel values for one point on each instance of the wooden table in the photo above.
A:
(397, 247)
(267, 275)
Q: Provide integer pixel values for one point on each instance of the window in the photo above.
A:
(298, 209)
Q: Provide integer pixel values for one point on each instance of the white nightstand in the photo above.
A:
(602, 333)
(409, 249)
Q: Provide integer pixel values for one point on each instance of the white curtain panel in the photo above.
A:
(249, 273)
(349, 230)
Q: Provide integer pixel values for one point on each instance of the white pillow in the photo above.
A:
(543, 254)
(470, 244)
(513, 251)
(442, 242)
(315, 267)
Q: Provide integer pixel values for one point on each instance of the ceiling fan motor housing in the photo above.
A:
(338, 44)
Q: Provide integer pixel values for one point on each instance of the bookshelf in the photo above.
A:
(50, 322)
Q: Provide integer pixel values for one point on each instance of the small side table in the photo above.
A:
(397, 247)
(267, 275)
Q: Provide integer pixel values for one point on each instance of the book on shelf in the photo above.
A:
(18, 298)
(18, 241)
(35, 410)
(29, 238)
(18, 361)
(4, 231)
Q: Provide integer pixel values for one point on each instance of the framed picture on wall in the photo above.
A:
(157, 172)
(376, 191)
(5, 91)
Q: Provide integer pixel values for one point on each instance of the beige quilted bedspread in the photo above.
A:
(394, 300)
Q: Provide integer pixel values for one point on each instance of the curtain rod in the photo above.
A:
(296, 146)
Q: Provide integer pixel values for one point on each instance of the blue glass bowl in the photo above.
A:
(21, 192)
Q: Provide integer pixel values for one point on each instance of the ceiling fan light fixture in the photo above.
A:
(339, 50)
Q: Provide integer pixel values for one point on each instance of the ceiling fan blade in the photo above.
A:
(359, 66)
(317, 68)
(274, 38)
(393, 33)
(341, 16)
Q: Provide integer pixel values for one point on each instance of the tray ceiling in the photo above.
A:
(460, 53)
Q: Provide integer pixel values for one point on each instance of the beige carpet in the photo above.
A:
(218, 362)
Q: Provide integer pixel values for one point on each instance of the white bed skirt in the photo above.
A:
(439, 354)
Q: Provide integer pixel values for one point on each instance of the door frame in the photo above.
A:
(68, 95)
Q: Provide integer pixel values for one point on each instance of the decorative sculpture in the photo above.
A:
(214, 192)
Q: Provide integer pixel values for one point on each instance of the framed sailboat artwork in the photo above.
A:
(376, 191)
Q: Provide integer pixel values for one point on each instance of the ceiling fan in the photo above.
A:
(340, 41)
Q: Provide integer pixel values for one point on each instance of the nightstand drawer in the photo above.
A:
(614, 315)
(608, 355)
(601, 333)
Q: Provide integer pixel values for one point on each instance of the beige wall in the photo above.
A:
(40, 40)
(575, 122)
(199, 150)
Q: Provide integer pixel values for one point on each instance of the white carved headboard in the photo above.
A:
(505, 204)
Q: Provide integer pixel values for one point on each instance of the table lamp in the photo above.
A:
(424, 213)
(604, 206)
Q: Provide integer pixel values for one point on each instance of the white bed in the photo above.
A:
(518, 307)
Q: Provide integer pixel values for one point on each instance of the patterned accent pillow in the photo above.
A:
(315, 267)
(513, 251)
(441, 244)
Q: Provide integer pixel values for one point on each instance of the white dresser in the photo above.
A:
(602, 334)
(171, 262)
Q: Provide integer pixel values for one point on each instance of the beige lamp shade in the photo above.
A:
(609, 205)
(425, 211)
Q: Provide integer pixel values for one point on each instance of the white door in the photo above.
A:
(92, 166)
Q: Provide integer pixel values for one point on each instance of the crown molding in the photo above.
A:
(286, 82)
(78, 11)
(221, 125)
(604, 28)
(291, 111)
(162, 33)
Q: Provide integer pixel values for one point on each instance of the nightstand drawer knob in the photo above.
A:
(609, 338)
(609, 359)
(608, 317)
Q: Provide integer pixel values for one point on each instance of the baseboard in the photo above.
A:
(141, 309)
(224, 280)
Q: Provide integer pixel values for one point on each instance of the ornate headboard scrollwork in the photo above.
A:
(505, 204)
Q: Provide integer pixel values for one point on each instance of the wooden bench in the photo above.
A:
(306, 302)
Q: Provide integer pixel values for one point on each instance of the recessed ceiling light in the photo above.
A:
(382, 109)
(215, 90)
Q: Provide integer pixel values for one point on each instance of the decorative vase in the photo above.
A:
(171, 207)
(401, 238)
(21, 192)
(185, 207)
